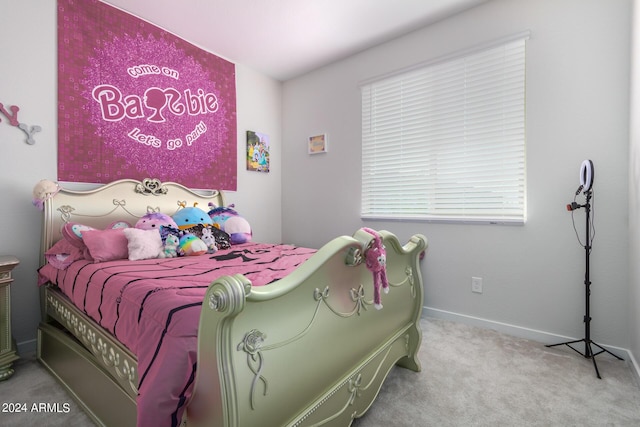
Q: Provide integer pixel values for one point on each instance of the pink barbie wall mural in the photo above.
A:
(135, 101)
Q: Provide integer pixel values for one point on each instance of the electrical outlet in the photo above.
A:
(476, 285)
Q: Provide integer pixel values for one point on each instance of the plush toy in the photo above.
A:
(170, 248)
(153, 220)
(222, 239)
(166, 230)
(190, 216)
(376, 262)
(232, 223)
(190, 244)
(209, 239)
(43, 191)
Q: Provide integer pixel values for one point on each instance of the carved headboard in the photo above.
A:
(125, 199)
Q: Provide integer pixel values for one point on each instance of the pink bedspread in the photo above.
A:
(153, 308)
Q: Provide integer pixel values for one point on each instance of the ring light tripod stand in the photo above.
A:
(586, 183)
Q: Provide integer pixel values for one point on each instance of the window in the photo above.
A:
(446, 140)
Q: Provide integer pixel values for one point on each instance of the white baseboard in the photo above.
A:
(635, 368)
(543, 337)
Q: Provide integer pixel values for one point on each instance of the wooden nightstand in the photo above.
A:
(8, 352)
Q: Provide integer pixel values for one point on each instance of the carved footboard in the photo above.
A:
(310, 349)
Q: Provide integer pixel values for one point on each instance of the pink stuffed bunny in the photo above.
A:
(376, 261)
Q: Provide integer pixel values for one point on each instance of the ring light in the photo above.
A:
(586, 175)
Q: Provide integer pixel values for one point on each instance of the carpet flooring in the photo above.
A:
(470, 377)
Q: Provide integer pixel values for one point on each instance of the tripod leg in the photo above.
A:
(604, 350)
(593, 358)
(563, 343)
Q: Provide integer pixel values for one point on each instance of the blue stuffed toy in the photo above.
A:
(190, 216)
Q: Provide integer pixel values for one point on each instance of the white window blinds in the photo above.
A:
(446, 141)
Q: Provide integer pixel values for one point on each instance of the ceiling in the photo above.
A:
(287, 38)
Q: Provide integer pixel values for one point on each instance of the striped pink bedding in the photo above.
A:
(153, 308)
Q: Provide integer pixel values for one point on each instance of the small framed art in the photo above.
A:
(257, 151)
(318, 144)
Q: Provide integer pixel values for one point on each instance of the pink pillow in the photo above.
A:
(106, 245)
(72, 231)
(62, 254)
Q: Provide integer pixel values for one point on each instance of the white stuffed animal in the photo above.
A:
(209, 240)
(43, 191)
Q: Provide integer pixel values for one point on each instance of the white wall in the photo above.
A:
(28, 79)
(577, 108)
(634, 190)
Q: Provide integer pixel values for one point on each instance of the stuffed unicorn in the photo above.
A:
(376, 262)
(170, 248)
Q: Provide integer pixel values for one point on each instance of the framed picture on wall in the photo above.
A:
(318, 144)
(257, 151)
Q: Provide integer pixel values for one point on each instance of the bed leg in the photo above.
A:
(414, 338)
